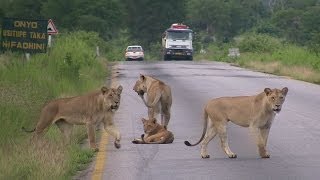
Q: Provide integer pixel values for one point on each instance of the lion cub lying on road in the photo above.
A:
(154, 133)
(256, 112)
(89, 109)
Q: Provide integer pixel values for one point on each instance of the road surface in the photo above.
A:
(294, 141)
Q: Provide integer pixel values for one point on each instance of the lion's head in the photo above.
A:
(150, 125)
(111, 98)
(275, 98)
(116, 94)
(140, 87)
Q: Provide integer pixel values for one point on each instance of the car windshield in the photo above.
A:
(134, 49)
(179, 35)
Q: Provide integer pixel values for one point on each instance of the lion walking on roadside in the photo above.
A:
(256, 112)
(89, 109)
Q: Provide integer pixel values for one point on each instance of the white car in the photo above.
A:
(134, 53)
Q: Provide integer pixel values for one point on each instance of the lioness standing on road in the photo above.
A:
(159, 97)
(256, 112)
(89, 109)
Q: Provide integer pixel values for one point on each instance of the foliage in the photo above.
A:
(268, 54)
(259, 43)
(69, 68)
(224, 19)
(103, 16)
(154, 52)
(147, 20)
(115, 48)
(23, 8)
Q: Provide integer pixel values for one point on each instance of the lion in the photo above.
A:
(159, 97)
(255, 112)
(154, 133)
(107, 120)
(109, 115)
(89, 109)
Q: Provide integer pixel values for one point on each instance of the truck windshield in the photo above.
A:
(179, 35)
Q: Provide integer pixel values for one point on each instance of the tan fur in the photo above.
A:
(89, 109)
(256, 112)
(159, 97)
(107, 120)
(154, 133)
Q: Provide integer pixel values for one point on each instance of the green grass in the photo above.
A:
(70, 68)
(268, 54)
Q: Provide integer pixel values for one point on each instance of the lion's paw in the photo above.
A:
(205, 156)
(136, 141)
(117, 144)
(265, 156)
(232, 156)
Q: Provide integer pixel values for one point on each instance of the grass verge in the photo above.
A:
(270, 55)
(70, 68)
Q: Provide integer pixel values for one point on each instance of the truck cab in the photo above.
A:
(177, 42)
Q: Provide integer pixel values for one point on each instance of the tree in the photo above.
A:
(311, 20)
(213, 14)
(224, 18)
(245, 14)
(24, 9)
(64, 13)
(311, 24)
(102, 16)
(148, 19)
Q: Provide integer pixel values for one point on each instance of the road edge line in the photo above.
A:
(97, 173)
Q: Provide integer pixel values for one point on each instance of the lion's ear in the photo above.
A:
(267, 91)
(143, 120)
(142, 77)
(119, 89)
(285, 91)
(154, 120)
(104, 90)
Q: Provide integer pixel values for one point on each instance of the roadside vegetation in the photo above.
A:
(268, 54)
(70, 68)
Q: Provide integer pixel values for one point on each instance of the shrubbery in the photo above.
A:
(259, 43)
(68, 69)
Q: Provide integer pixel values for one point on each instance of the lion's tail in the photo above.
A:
(205, 124)
(29, 131)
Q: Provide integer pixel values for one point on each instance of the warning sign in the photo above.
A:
(27, 35)
(51, 28)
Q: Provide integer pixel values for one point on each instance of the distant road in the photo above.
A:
(294, 141)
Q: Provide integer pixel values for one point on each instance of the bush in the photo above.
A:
(154, 53)
(259, 43)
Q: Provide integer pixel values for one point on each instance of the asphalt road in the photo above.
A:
(293, 142)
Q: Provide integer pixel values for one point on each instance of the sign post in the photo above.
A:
(26, 35)
(51, 29)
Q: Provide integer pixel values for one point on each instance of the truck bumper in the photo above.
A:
(178, 53)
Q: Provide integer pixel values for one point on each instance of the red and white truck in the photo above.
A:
(177, 42)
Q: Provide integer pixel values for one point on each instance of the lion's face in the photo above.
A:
(111, 98)
(149, 125)
(116, 96)
(140, 87)
(275, 98)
